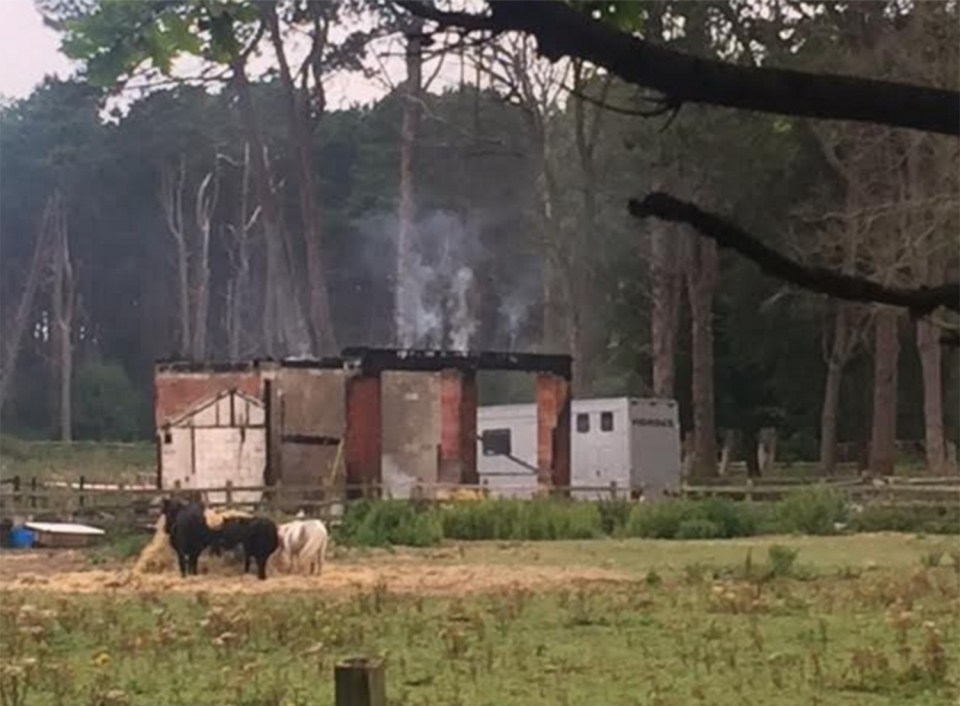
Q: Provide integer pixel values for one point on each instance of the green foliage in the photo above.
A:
(812, 511)
(626, 15)
(107, 406)
(889, 518)
(120, 545)
(780, 560)
(698, 528)
(390, 522)
(614, 516)
(522, 520)
(117, 37)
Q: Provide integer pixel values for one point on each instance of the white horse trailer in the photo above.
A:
(632, 442)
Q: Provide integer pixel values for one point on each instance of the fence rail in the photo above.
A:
(138, 505)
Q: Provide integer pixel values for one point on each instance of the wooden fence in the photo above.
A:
(138, 505)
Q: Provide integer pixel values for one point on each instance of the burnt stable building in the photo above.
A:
(390, 418)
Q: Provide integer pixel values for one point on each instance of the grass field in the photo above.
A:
(97, 462)
(865, 619)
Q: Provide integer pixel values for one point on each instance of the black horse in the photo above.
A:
(257, 535)
(188, 530)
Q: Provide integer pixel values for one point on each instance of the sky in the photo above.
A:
(28, 49)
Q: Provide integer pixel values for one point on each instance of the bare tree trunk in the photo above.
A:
(836, 361)
(282, 316)
(14, 337)
(63, 305)
(883, 435)
(405, 292)
(298, 118)
(666, 309)
(928, 346)
(172, 185)
(206, 202)
(239, 284)
(701, 282)
(585, 245)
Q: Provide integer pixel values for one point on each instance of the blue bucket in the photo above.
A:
(21, 538)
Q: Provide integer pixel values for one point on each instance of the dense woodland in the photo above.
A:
(240, 216)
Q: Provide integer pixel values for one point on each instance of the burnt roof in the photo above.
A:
(373, 361)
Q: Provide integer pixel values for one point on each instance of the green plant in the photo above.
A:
(698, 528)
(614, 515)
(812, 511)
(780, 560)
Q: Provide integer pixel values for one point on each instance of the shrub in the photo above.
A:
(780, 560)
(614, 515)
(660, 520)
(889, 518)
(698, 528)
(522, 520)
(389, 522)
(107, 405)
(732, 519)
(811, 511)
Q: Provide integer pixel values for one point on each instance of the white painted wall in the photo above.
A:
(613, 441)
(221, 439)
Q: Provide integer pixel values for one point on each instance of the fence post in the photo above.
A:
(359, 681)
(17, 498)
(613, 490)
(749, 489)
(229, 493)
(33, 492)
(80, 498)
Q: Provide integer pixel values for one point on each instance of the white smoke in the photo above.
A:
(441, 292)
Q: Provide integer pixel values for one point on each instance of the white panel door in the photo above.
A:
(230, 454)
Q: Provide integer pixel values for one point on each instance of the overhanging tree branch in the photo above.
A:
(561, 31)
(920, 301)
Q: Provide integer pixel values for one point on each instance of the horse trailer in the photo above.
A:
(634, 443)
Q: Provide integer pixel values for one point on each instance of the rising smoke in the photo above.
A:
(441, 295)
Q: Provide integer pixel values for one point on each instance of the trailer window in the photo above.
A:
(496, 442)
(583, 423)
(606, 421)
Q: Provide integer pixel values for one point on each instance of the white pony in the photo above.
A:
(303, 540)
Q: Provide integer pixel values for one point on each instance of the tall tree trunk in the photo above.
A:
(585, 245)
(205, 204)
(282, 315)
(405, 290)
(63, 301)
(666, 308)
(883, 435)
(12, 339)
(836, 360)
(239, 283)
(172, 185)
(928, 346)
(701, 283)
(298, 119)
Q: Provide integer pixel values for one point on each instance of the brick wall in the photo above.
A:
(176, 392)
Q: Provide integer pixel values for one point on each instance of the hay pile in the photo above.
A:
(158, 556)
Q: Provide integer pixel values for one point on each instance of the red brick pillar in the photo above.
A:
(458, 427)
(553, 430)
(362, 448)
(468, 429)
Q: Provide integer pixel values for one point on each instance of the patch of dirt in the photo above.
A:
(41, 562)
(400, 574)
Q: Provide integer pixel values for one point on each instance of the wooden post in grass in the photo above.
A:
(359, 681)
